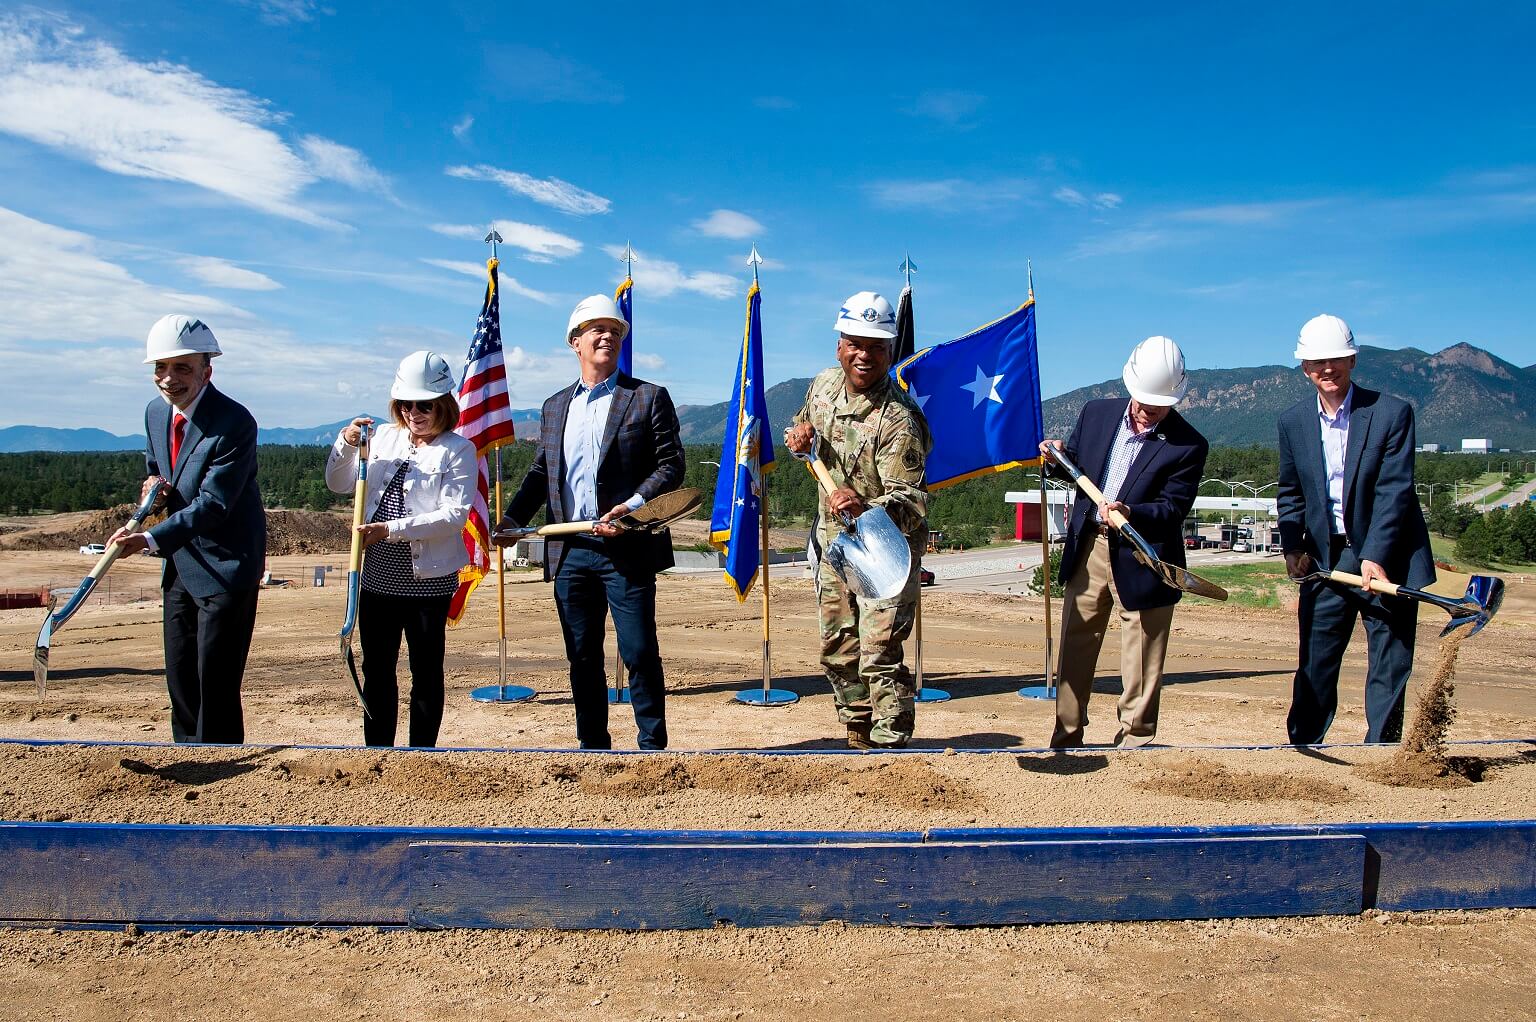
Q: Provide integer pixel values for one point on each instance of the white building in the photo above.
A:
(1479, 446)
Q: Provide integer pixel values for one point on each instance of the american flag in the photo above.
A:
(485, 420)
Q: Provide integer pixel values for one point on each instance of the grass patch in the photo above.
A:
(1248, 585)
(1445, 550)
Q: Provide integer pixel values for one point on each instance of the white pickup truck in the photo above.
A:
(94, 549)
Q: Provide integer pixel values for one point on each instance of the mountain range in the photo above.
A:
(1457, 393)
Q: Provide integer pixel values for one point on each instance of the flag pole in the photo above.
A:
(1048, 690)
(769, 696)
(619, 693)
(922, 695)
(501, 692)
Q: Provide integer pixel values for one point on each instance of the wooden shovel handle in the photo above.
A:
(1377, 585)
(1096, 495)
(566, 528)
(823, 476)
(359, 503)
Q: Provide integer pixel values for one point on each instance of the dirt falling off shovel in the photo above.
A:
(1421, 762)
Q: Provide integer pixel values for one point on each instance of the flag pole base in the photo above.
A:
(1038, 692)
(618, 695)
(772, 697)
(502, 694)
(931, 695)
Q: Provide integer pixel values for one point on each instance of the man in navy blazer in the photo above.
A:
(1148, 460)
(214, 537)
(607, 444)
(1346, 502)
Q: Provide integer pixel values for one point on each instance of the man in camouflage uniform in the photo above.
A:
(874, 442)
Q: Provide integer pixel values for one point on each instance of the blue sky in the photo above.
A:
(312, 179)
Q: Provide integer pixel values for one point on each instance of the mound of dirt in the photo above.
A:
(1200, 778)
(288, 532)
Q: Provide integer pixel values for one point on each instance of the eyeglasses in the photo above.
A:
(424, 407)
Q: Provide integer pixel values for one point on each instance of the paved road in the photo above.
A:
(1008, 570)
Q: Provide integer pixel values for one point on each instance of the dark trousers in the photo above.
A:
(381, 621)
(1327, 615)
(587, 587)
(207, 639)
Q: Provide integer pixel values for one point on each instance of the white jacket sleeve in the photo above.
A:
(460, 469)
(341, 467)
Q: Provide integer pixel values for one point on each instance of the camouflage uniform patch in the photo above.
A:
(875, 444)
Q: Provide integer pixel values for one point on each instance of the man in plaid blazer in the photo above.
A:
(607, 444)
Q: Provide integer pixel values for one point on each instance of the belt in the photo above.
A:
(1103, 529)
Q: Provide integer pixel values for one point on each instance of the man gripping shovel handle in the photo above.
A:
(153, 492)
(652, 516)
(1482, 600)
(1171, 574)
(871, 556)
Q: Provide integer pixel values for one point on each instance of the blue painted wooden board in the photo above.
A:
(682, 887)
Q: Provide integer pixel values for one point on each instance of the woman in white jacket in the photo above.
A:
(421, 480)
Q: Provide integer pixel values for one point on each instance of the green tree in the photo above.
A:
(1478, 543)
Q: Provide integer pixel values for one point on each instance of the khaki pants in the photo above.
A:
(1143, 646)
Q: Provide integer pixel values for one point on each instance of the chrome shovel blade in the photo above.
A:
(40, 657)
(872, 558)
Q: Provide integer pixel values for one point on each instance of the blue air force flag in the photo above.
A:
(981, 395)
(746, 456)
(625, 298)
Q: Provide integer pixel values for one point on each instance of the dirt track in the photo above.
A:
(1229, 677)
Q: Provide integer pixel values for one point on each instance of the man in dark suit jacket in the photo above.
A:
(606, 445)
(214, 539)
(1147, 459)
(1346, 502)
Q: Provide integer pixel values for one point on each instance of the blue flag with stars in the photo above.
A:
(746, 457)
(981, 395)
(624, 296)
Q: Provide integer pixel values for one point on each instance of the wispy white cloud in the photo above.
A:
(727, 223)
(286, 12)
(539, 244)
(662, 277)
(1072, 197)
(952, 194)
(650, 360)
(532, 376)
(1134, 239)
(223, 273)
(336, 162)
(549, 191)
(952, 107)
(508, 283)
(163, 121)
(461, 127)
(1243, 214)
(525, 72)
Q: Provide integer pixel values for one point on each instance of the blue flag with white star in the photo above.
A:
(625, 297)
(746, 457)
(981, 395)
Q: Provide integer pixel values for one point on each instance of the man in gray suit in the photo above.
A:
(1346, 502)
(607, 444)
(214, 539)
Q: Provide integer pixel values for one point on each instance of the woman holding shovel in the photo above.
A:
(420, 482)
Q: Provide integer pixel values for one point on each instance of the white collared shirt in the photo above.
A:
(169, 470)
(582, 444)
(1335, 432)
(1122, 452)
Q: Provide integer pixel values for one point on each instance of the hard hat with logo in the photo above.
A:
(867, 314)
(422, 376)
(1325, 337)
(176, 335)
(1154, 374)
(596, 307)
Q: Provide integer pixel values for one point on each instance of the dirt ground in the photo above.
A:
(1228, 683)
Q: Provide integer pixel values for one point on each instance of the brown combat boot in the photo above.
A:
(858, 735)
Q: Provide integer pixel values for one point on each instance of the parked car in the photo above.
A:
(1246, 520)
(94, 549)
(1192, 543)
(1241, 547)
(925, 577)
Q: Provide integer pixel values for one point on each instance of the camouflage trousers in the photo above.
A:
(862, 657)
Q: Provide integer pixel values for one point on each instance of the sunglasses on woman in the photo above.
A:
(424, 407)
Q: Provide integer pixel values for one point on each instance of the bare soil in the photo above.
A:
(1228, 683)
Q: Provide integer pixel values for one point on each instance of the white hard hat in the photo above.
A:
(176, 335)
(596, 307)
(1154, 374)
(422, 376)
(867, 314)
(1325, 337)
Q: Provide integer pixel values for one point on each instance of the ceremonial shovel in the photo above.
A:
(355, 566)
(652, 516)
(56, 620)
(1171, 574)
(871, 555)
(1484, 596)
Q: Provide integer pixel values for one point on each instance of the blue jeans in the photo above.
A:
(588, 586)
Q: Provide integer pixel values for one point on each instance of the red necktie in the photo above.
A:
(178, 430)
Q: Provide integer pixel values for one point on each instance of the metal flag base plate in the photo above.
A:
(618, 695)
(502, 694)
(1038, 692)
(772, 697)
(932, 695)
